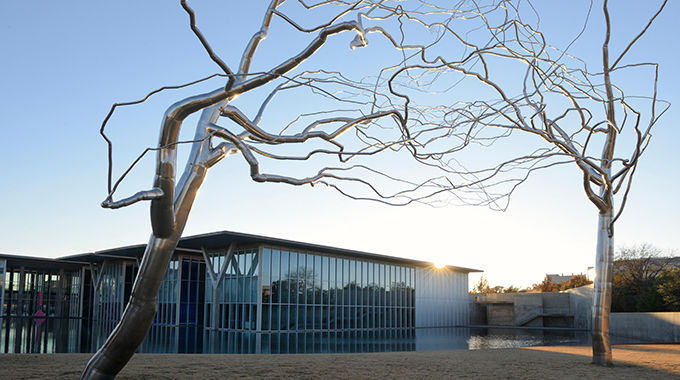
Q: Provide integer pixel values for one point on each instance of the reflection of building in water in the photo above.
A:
(229, 281)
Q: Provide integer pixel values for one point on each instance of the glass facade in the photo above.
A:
(306, 291)
(192, 291)
(40, 292)
(258, 287)
(106, 295)
(236, 297)
(182, 293)
(39, 308)
(52, 335)
(166, 306)
(109, 293)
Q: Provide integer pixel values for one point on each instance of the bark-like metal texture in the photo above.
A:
(136, 320)
(602, 296)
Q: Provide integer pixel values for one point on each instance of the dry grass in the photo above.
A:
(635, 362)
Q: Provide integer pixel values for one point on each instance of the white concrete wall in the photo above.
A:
(646, 327)
(643, 327)
(581, 300)
(441, 298)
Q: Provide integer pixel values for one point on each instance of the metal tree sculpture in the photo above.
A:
(394, 109)
(172, 199)
(575, 115)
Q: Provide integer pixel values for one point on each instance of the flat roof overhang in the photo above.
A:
(30, 262)
(222, 239)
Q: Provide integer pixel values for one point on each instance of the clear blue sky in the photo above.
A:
(63, 64)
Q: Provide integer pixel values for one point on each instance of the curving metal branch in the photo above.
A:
(206, 45)
(476, 76)
(171, 201)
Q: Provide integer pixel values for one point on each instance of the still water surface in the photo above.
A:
(25, 335)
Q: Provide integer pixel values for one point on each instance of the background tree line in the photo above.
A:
(646, 279)
(547, 285)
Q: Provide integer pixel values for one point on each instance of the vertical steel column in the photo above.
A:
(20, 306)
(216, 281)
(96, 281)
(20, 295)
(81, 292)
(3, 270)
(121, 293)
(178, 292)
(258, 326)
(59, 302)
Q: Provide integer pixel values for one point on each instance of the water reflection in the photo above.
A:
(223, 342)
(51, 335)
(513, 338)
(72, 335)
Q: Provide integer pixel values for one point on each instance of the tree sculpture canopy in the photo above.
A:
(435, 85)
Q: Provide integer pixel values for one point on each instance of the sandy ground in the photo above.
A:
(639, 362)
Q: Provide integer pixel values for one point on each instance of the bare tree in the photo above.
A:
(470, 73)
(636, 271)
(557, 111)
(641, 264)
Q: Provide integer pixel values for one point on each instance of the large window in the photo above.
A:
(166, 311)
(72, 283)
(236, 297)
(307, 291)
(108, 292)
(192, 291)
(287, 290)
(52, 293)
(182, 293)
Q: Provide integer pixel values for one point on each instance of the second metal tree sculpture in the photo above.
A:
(556, 112)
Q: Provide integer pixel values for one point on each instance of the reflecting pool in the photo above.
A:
(71, 335)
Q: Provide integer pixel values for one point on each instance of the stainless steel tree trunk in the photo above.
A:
(602, 297)
(138, 315)
(136, 320)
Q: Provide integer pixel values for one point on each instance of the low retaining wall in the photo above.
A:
(638, 327)
(646, 327)
(521, 309)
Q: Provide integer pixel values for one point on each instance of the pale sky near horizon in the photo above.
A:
(63, 64)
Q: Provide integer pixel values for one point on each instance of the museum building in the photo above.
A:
(232, 281)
